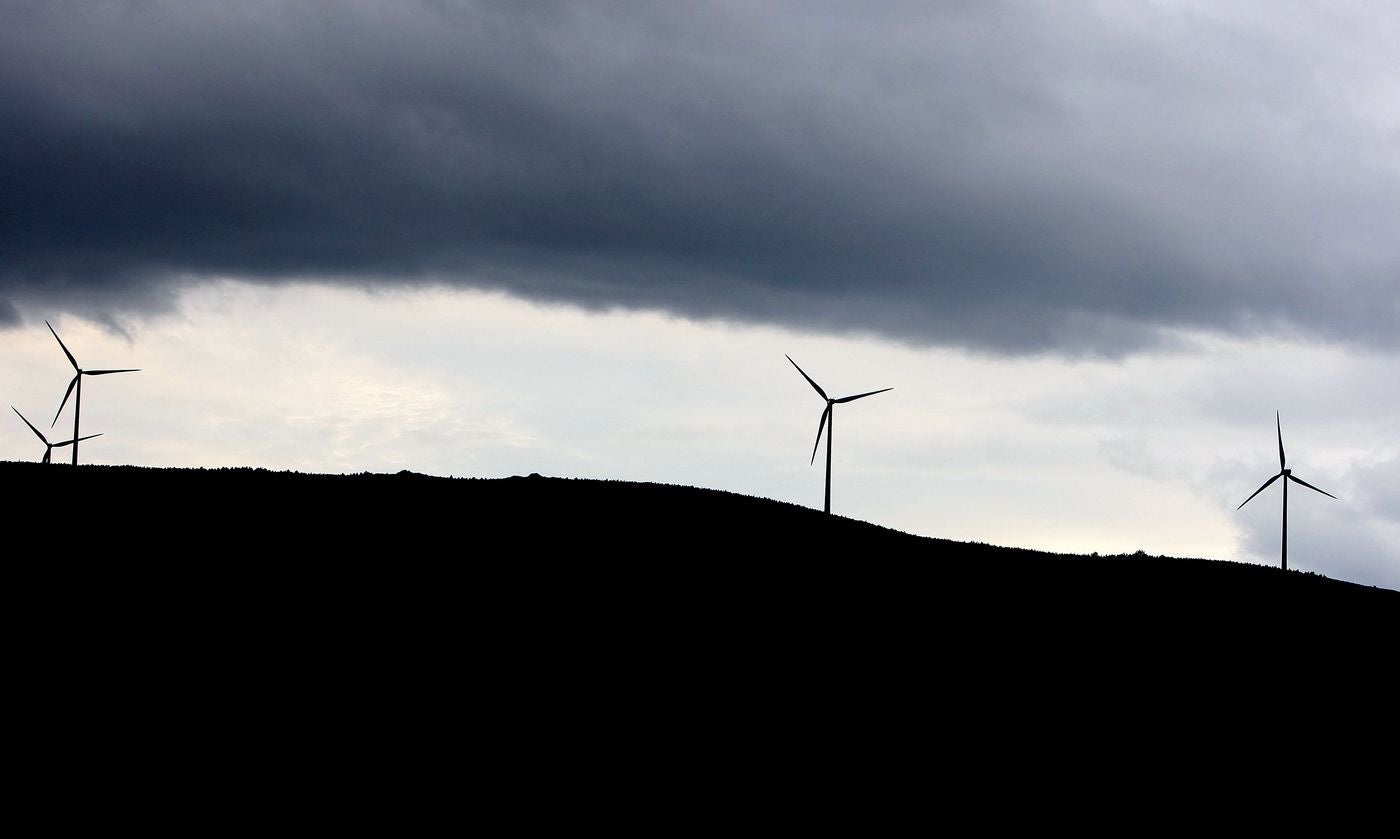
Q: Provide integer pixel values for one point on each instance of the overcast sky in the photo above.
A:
(1092, 246)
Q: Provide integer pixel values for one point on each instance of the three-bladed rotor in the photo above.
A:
(78, 372)
(821, 425)
(1283, 470)
(49, 447)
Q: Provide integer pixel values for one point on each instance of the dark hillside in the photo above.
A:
(611, 538)
(380, 632)
(543, 564)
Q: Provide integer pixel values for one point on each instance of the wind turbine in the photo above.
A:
(78, 382)
(1287, 475)
(48, 447)
(828, 422)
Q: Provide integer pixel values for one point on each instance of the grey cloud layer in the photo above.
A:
(1015, 177)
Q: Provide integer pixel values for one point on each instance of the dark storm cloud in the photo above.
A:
(1006, 176)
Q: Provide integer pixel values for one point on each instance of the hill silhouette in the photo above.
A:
(542, 564)
(374, 632)
(684, 537)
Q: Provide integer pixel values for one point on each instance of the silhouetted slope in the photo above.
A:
(584, 646)
(680, 535)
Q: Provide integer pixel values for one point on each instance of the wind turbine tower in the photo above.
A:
(828, 422)
(77, 382)
(1287, 475)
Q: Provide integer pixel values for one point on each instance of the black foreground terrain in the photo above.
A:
(222, 645)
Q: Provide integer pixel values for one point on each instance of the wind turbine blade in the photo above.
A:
(815, 386)
(48, 455)
(1298, 480)
(860, 395)
(80, 439)
(65, 399)
(1260, 489)
(105, 372)
(31, 425)
(1279, 423)
(71, 360)
(820, 426)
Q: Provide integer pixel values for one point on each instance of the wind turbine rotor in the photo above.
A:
(1297, 480)
(66, 394)
(79, 440)
(815, 386)
(36, 431)
(845, 399)
(820, 427)
(71, 360)
(1261, 489)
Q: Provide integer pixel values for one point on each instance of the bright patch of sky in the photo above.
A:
(1149, 452)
